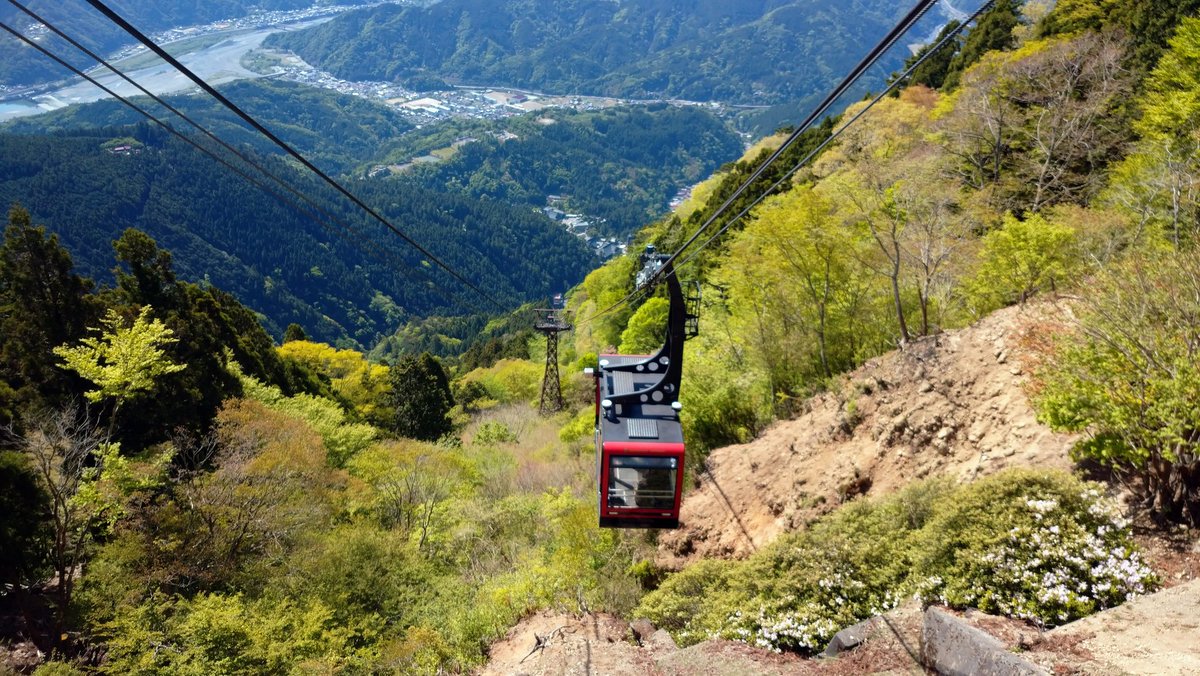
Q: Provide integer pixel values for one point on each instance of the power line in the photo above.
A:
(832, 137)
(211, 91)
(254, 181)
(912, 17)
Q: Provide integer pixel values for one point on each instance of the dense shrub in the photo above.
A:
(1041, 546)
(343, 438)
(507, 381)
(212, 634)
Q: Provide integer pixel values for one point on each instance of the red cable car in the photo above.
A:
(639, 440)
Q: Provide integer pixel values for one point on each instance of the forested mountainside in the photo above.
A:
(218, 504)
(336, 132)
(764, 51)
(223, 230)
(22, 66)
(620, 166)
(476, 207)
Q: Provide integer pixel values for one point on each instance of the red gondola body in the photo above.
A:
(639, 439)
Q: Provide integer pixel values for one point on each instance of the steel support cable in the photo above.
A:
(914, 15)
(240, 172)
(403, 267)
(832, 137)
(248, 119)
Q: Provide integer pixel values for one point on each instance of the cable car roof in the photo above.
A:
(652, 422)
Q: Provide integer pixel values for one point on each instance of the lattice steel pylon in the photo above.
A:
(551, 323)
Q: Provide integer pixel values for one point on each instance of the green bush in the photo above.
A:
(343, 439)
(361, 571)
(507, 381)
(580, 427)
(215, 634)
(1041, 546)
(491, 433)
(57, 669)
(647, 328)
(1129, 379)
(1021, 258)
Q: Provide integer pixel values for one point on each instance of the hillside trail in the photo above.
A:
(952, 405)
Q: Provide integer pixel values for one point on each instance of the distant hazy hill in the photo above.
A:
(222, 229)
(20, 65)
(745, 51)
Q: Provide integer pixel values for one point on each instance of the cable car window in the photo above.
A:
(641, 482)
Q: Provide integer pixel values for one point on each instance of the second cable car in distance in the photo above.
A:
(639, 439)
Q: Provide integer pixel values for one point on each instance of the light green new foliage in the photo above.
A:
(647, 328)
(123, 361)
(231, 634)
(1130, 379)
(57, 669)
(1021, 258)
(1172, 98)
(580, 427)
(342, 439)
(508, 380)
(1159, 182)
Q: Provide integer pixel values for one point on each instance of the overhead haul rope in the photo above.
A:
(211, 91)
(403, 266)
(637, 293)
(207, 151)
(895, 84)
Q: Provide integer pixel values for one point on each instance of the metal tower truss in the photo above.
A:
(551, 322)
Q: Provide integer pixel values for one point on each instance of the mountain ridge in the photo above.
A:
(635, 49)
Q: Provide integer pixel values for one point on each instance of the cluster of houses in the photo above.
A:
(583, 227)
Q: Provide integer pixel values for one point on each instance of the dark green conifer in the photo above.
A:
(294, 332)
(43, 304)
(419, 400)
(993, 32)
(932, 73)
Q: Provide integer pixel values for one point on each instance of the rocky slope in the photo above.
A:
(953, 404)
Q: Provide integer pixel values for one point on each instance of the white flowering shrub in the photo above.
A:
(1040, 546)
(807, 626)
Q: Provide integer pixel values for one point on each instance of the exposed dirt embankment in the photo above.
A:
(558, 644)
(952, 405)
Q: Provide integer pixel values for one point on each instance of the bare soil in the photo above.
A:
(597, 644)
(953, 404)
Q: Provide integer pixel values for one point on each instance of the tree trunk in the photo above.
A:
(904, 337)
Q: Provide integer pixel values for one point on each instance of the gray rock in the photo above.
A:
(849, 638)
(660, 642)
(642, 630)
(955, 648)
